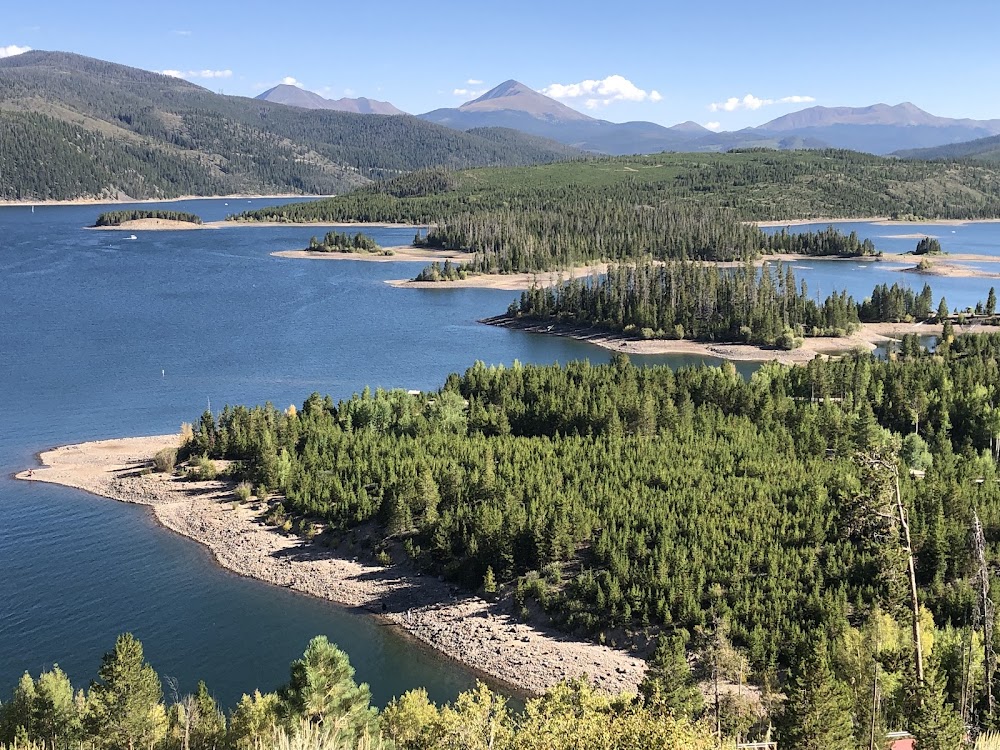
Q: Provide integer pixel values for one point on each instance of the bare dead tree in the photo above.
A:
(984, 614)
(888, 504)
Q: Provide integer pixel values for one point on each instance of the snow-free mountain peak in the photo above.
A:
(293, 96)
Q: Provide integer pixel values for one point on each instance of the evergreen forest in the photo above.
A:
(117, 218)
(681, 206)
(700, 302)
(342, 242)
(770, 519)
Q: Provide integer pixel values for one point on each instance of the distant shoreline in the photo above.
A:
(882, 221)
(478, 633)
(122, 202)
(163, 225)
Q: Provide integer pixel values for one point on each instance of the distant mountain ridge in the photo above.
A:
(878, 129)
(294, 96)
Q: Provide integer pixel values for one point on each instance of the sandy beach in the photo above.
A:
(399, 253)
(153, 225)
(868, 338)
(516, 282)
(882, 221)
(820, 220)
(476, 632)
(512, 282)
(166, 224)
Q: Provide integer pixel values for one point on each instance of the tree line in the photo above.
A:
(322, 707)
(342, 242)
(117, 218)
(681, 300)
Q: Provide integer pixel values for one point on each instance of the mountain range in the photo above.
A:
(878, 129)
(74, 126)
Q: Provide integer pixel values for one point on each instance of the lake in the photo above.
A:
(102, 336)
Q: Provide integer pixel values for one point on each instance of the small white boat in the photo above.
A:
(131, 237)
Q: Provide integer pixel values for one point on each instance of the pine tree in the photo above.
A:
(489, 581)
(669, 684)
(942, 311)
(322, 690)
(817, 714)
(935, 724)
(124, 709)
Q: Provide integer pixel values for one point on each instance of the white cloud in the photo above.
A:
(197, 73)
(751, 102)
(474, 82)
(13, 49)
(182, 32)
(598, 93)
(471, 93)
(713, 125)
(290, 81)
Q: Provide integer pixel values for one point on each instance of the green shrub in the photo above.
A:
(165, 460)
(242, 491)
(203, 470)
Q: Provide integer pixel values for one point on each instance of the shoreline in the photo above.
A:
(881, 221)
(480, 634)
(161, 225)
(126, 201)
(400, 253)
(511, 282)
(868, 337)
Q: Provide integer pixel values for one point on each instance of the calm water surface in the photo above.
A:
(102, 336)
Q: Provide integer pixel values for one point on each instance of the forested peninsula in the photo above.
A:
(665, 206)
(753, 516)
(756, 529)
(680, 300)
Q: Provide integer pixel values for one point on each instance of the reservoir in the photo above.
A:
(103, 336)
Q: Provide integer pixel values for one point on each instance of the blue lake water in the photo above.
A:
(102, 336)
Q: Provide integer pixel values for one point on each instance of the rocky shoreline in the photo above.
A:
(478, 633)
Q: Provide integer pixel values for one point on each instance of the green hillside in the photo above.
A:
(981, 149)
(664, 205)
(74, 126)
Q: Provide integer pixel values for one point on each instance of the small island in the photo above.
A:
(148, 219)
(342, 242)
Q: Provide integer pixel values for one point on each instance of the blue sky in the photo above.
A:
(661, 61)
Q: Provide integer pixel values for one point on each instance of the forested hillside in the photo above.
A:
(75, 126)
(981, 149)
(667, 205)
(625, 500)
